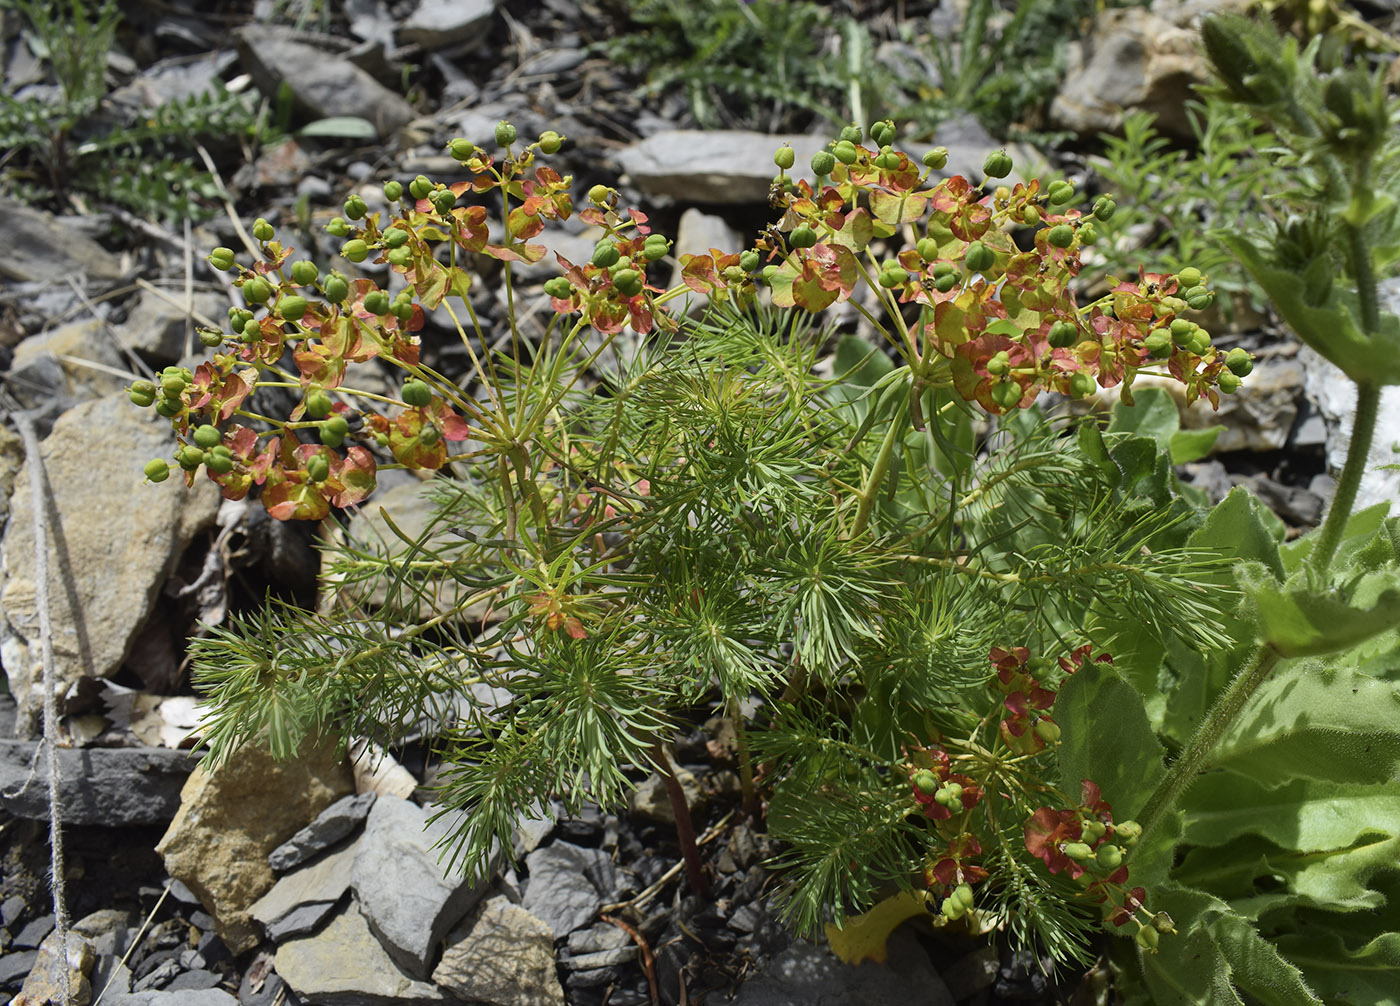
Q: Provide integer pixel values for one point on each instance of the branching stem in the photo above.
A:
(685, 828)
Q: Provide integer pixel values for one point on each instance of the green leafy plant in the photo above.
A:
(1017, 677)
(63, 146)
(766, 64)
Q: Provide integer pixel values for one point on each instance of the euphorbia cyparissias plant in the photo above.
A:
(965, 306)
(975, 296)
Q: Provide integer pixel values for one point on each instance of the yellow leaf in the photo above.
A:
(864, 936)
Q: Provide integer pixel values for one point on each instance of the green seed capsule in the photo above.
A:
(319, 404)
(219, 464)
(893, 276)
(206, 435)
(845, 152)
(1109, 856)
(318, 468)
(979, 257)
(304, 272)
(598, 194)
(402, 309)
(550, 142)
(1007, 395)
(256, 290)
(172, 385)
(1181, 330)
(925, 781)
(750, 260)
(559, 287)
(963, 893)
(784, 157)
(355, 250)
(1030, 216)
(338, 228)
(1105, 207)
(1081, 385)
(953, 909)
(142, 393)
(605, 254)
(420, 187)
(292, 307)
(355, 208)
(337, 288)
(997, 164)
(262, 230)
(628, 282)
(1077, 851)
(1240, 363)
(1060, 192)
(823, 161)
(936, 159)
(169, 408)
(1159, 344)
(462, 149)
(1188, 277)
(945, 282)
(399, 256)
(1061, 235)
(189, 458)
(505, 134)
(377, 303)
(1063, 334)
(429, 435)
(851, 134)
(656, 247)
(157, 469)
(927, 249)
(393, 191)
(1228, 382)
(443, 200)
(416, 394)
(999, 364)
(802, 237)
(221, 259)
(1148, 938)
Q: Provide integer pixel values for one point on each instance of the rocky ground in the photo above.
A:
(316, 882)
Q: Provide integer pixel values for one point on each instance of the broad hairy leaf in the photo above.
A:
(1368, 975)
(1299, 620)
(1214, 953)
(1306, 815)
(1154, 414)
(1340, 726)
(1106, 737)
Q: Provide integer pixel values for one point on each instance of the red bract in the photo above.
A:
(216, 391)
(289, 492)
(950, 867)
(1047, 832)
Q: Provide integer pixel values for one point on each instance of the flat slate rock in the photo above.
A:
(331, 825)
(303, 898)
(408, 898)
(568, 884)
(345, 965)
(114, 787)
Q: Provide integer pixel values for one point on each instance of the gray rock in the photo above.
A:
(809, 975)
(533, 830)
(87, 340)
(437, 24)
(40, 246)
(715, 167)
(567, 886)
(156, 327)
(113, 542)
(501, 956)
(696, 234)
(412, 509)
(344, 965)
(114, 787)
(193, 981)
(600, 959)
(1134, 59)
(302, 899)
(15, 964)
(323, 84)
(166, 997)
(33, 933)
(1260, 416)
(603, 936)
(407, 896)
(1335, 397)
(331, 825)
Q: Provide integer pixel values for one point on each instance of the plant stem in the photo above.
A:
(876, 479)
(741, 747)
(685, 828)
(1368, 400)
(1183, 772)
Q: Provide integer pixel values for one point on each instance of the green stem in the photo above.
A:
(876, 479)
(1368, 400)
(1183, 772)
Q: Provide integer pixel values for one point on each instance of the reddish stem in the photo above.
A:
(685, 829)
